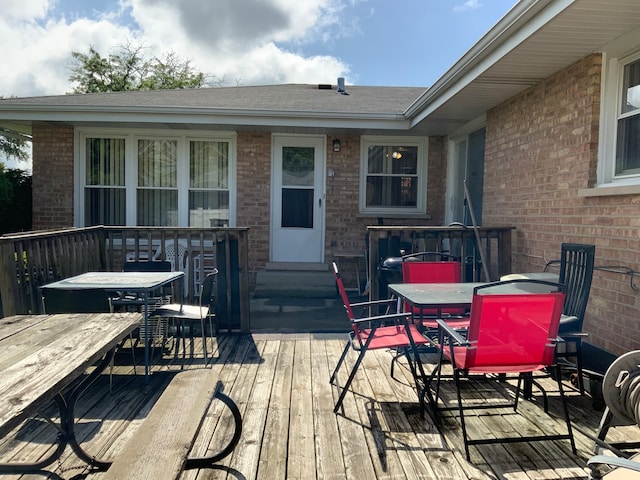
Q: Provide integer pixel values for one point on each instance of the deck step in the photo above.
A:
(295, 281)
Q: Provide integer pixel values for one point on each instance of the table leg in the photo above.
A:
(145, 297)
(66, 402)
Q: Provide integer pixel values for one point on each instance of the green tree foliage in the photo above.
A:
(128, 69)
(13, 146)
(15, 200)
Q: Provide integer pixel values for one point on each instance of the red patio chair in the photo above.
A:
(508, 334)
(417, 269)
(390, 331)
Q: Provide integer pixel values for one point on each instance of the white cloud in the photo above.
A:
(248, 40)
(468, 5)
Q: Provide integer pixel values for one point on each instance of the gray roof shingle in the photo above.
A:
(296, 98)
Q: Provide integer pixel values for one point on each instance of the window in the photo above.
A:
(208, 184)
(148, 180)
(628, 130)
(157, 195)
(393, 176)
(105, 195)
(619, 150)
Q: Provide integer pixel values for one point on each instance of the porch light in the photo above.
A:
(336, 145)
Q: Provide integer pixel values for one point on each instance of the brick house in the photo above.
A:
(539, 115)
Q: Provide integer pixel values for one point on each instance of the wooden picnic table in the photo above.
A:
(43, 358)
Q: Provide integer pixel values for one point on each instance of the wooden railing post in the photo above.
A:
(9, 293)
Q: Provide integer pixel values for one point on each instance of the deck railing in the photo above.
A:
(494, 248)
(30, 260)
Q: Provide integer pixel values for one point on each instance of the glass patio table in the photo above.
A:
(142, 284)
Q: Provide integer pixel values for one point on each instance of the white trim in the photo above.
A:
(311, 140)
(421, 173)
(131, 137)
(616, 55)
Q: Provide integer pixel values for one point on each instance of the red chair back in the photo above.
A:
(430, 272)
(512, 330)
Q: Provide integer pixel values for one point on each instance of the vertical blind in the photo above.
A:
(105, 196)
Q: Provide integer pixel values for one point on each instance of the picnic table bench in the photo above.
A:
(45, 358)
(160, 447)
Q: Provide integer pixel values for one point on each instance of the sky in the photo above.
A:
(246, 42)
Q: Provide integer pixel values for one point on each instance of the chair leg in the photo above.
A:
(579, 365)
(565, 409)
(352, 375)
(342, 357)
(204, 341)
(456, 379)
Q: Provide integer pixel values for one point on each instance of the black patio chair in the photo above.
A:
(576, 272)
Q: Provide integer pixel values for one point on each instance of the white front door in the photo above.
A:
(297, 203)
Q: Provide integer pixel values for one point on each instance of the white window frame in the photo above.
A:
(618, 54)
(421, 170)
(131, 168)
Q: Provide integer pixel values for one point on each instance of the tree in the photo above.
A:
(15, 200)
(128, 69)
(12, 144)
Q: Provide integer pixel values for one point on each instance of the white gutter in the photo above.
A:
(119, 114)
(516, 26)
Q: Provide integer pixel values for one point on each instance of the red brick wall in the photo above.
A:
(541, 149)
(254, 190)
(52, 176)
(345, 228)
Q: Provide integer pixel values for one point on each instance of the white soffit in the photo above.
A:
(563, 32)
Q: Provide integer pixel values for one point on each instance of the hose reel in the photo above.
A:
(621, 387)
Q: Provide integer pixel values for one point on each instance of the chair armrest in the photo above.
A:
(373, 302)
(381, 318)
(613, 462)
(451, 333)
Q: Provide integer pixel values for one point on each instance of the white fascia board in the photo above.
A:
(204, 117)
(514, 28)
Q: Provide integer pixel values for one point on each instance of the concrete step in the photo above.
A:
(295, 283)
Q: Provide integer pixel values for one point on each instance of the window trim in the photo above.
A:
(421, 173)
(131, 164)
(622, 52)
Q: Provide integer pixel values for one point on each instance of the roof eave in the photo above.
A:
(203, 116)
(514, 28)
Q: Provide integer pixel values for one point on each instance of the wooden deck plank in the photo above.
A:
(276, 430)
(326, 423)
(243, 458)
(301, 459)
(356, 457)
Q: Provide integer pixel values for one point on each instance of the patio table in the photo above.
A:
(142, 284)
(43, 358)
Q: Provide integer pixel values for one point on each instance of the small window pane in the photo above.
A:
(105, 206)
(297, 166)
(105, 161)
(297, 207)
(631, 87)
(157, 208)
(392, 191)
(208, 209)
(393, 160)
(157, 163)
(208, 164)
(628, 148)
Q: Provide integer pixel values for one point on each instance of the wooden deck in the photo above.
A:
(280, 382)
